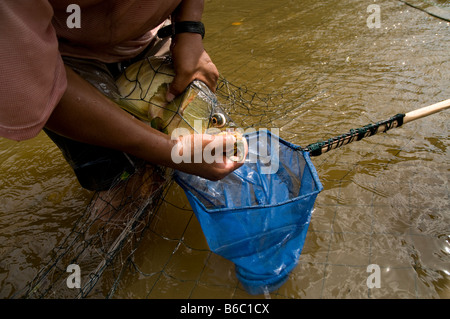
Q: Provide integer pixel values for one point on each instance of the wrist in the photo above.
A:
(150, 145)
(167, 155)
(191, 27)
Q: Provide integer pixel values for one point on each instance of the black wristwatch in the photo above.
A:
(181, 27)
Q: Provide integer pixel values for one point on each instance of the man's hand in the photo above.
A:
(191, 62)
(208, 156)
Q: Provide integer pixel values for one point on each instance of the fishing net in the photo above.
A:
(106, 235)
(103, 238)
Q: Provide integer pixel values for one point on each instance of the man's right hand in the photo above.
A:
(208, 156)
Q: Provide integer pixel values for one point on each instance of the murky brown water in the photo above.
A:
(385, 199)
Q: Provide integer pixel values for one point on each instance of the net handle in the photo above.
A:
(426, 110)
(398, 120)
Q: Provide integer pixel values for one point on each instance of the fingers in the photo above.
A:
(234, 150)
(213, 149)
(225, 159)
(203, 70)
(179, 83)
(208, 73)
(183, 79)
(211, 156)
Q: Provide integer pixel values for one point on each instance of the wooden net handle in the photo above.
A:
(425, 111)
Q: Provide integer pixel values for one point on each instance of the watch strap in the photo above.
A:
(181, 27)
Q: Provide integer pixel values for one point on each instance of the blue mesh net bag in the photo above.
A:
(257, 217)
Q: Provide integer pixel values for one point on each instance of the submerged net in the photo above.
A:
(106, 235)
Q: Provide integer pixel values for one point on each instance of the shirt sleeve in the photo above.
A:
(32, 74)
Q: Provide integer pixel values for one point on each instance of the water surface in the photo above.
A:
(386, 199)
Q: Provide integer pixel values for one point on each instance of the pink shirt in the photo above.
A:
(32, 75)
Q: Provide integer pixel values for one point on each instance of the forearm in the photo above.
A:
(86, 115)
(189, 10)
